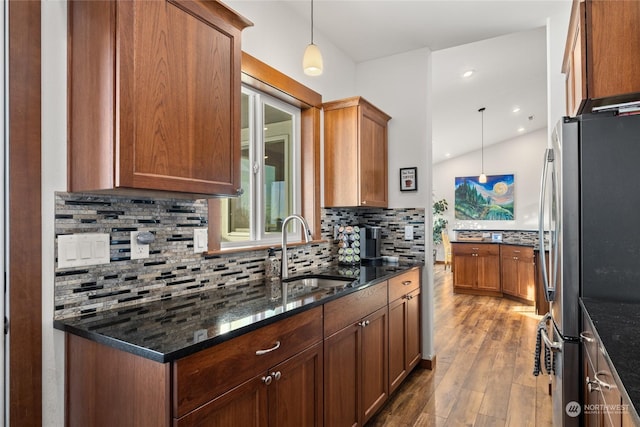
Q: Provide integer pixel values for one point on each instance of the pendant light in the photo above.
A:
(312, 59)
(482, 178)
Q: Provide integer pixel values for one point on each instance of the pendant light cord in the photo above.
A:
(481, 110)
(311, 21)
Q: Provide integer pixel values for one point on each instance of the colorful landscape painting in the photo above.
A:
(492, 200)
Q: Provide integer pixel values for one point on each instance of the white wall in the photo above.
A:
(399, 85)
(557, 27)
(54, 178)
(521, 156)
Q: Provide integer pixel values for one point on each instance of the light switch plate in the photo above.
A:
(408, 232)
(200, 240)
(138, 251)
(82, 249)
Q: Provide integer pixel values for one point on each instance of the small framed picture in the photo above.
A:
(408, 179)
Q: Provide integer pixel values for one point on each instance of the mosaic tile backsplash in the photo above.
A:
(172, 268)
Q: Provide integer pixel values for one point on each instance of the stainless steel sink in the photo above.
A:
(319, 282)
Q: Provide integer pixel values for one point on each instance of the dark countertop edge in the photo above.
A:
(616, 376)
(489, 242)
(202, 345)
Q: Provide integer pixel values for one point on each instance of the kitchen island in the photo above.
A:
(197, 359)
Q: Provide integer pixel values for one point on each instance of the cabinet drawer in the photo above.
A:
(475, 248)
(203, 376)
(521, 252)
(351, 308)
(404, 284)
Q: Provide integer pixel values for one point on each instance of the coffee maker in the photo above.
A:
(370, 243)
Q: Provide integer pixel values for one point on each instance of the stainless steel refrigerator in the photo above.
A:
(589, 198)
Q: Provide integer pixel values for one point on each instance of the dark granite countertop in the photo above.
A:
(504, 242)
(617, 325)
(169, 329)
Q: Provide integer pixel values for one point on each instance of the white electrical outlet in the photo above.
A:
(200, 240)
(138, 251)
(408, 232)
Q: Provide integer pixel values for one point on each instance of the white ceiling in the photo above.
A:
(504, 41)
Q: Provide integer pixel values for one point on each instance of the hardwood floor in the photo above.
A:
(483, 376)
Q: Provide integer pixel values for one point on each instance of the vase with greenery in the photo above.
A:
(439, 221)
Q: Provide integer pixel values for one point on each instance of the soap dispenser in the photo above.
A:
(272, 275)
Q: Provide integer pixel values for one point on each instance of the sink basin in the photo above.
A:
(319, 282)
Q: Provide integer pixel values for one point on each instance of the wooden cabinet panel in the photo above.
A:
(245, 405)
(154, 96)
(296, 398)
(602, 54)
(353, 307)
(404, 337)
(403, 284)
(355, 154)
(204, 375)
(476, 268)
(342, 377)
(374, 356)
(518, 272)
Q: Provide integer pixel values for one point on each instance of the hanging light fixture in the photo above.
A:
(312, 59)
(482, 178)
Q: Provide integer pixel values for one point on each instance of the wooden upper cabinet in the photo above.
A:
(355, 154)
(602, 54)
(154, 96)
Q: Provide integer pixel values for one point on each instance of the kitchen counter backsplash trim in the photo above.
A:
(512, 237)
(172, 268)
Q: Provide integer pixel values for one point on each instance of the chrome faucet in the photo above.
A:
(284, 266)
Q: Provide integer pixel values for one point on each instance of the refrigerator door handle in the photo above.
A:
(552, 345)
(549, 289)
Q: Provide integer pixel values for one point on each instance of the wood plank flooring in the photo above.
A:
(483, 377)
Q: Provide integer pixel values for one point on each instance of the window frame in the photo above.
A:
(259, 75)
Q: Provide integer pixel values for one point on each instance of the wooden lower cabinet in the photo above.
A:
(288, 395)
(518, 272)
(476, 268)
(404, 337)
(356, 371)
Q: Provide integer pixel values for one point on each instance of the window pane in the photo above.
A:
(236, 212)
(278, 176)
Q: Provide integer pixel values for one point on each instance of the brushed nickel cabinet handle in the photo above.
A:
(407, 282)
(269, 350)
(276, 375)
(584, 336)
(267, 380)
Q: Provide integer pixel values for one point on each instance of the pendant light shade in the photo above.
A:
(312, 59)
(482, 178)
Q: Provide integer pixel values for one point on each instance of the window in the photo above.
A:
(270, 170)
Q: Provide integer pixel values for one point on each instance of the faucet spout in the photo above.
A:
(284, 263)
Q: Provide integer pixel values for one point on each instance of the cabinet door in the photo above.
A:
(373, 160)
(245, 405)
(374, 363)
(526, 276)
(397, 342)
(465, 271)
(404, 337)
(489, 272)
(342, 370)
(295, 395)
(180, 99)
(414, 349)
(509, 274)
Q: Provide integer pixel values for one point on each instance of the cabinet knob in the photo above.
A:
(406, 283)
(364, 202)
(276, 375)
(267, 380)
(363, 323)
(239, 191)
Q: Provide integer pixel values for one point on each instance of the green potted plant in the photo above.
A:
(439, 222)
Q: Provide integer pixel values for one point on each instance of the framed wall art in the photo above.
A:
(492, 200)
(408, 179)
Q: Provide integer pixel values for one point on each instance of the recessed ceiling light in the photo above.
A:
(516, 109)
(468, 73)
(521, 129)
(447, 155)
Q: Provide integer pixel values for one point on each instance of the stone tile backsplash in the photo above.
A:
(172, 268)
